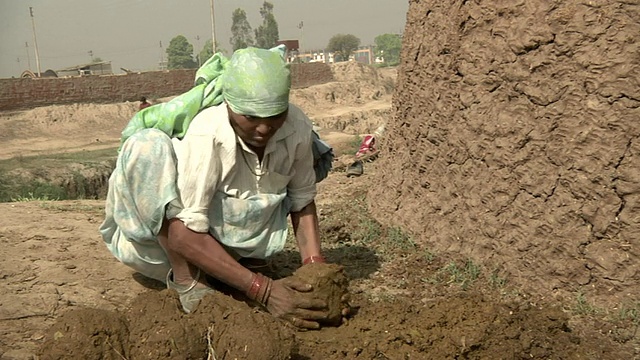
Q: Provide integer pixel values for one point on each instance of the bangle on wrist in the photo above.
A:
(255, 286)
(260, 288)
(314, 259)
(267, 291)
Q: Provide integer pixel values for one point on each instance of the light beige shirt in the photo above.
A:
(225, 190)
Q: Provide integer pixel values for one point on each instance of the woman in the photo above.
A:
(219, 192)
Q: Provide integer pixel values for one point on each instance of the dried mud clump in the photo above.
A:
(234, 330)
(160, 330)
(154, 327)
(329, 284)
(86, 334)
(220, 325)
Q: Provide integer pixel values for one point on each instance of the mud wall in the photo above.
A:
(515, 139)
(28, 93)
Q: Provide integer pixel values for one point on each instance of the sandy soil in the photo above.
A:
(65, 297)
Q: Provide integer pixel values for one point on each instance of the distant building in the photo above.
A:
(96, 68)
(311, 56)
(30, 74)
(292, 45)
(363, 55)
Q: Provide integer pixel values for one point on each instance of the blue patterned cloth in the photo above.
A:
(135, 207)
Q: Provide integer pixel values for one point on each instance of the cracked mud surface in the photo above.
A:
(517, 141)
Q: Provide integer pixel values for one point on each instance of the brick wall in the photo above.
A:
(308, 74)
(29, 93)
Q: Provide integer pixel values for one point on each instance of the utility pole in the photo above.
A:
(35, 40)
(162, 67)
(26, 45)
(301, 27)
(213, 29)
(198, 52)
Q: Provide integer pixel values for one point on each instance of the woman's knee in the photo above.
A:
(147, 141)
(149, 260)
(150, 147)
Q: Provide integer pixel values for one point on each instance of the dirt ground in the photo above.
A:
(65, 297)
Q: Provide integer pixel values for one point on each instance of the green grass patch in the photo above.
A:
(49, 176)
(392, 242)
(73, 207)
(38, 163)
(354, 145)
(428, 256)
(582, 306)
(496, 281)
(454, 274)
(368, 231)
(464, 276)
(629, 312)
(397, 238)
(17, 188)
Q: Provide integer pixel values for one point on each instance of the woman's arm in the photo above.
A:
(205, 252)
(284, 298)
(307, 231)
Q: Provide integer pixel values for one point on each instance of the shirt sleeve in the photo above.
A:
(199, 172)
(302, 186)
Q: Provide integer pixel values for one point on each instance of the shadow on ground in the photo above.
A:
(359, 262)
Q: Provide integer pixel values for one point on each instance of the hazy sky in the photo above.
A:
(129, 32)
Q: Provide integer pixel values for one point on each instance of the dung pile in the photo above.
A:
(154, 327)
(515, 139)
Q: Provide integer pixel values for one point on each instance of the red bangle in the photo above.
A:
(267, 291)
(314, 259)
(256, 284)
(260, 288)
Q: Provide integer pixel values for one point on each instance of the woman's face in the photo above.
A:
(256, 131)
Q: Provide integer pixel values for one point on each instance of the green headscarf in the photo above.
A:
(254, 82)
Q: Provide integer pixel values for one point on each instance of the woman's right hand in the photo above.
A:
(290, 300)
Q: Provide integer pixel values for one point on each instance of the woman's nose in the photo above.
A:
(264, 129)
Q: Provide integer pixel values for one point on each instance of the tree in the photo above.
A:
(241, 34)
(343, 45)
(97, 60)
(267, 34)
(388, 46)
(180, 54)
(207, 51)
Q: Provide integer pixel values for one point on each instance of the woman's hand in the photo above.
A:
(290, 300)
